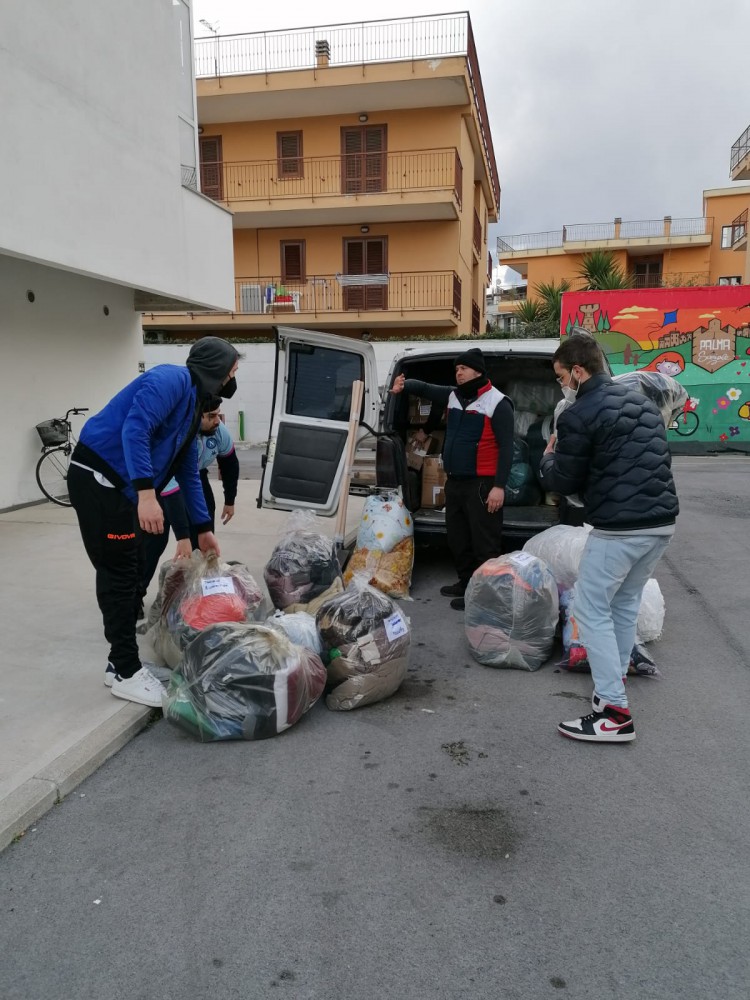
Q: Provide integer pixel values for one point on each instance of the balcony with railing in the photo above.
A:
(414, 184)
(423, 298)
(432, 37)
(739, 162)
(323, 294)
(656, 233)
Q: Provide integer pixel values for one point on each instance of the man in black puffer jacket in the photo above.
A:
(611, 447)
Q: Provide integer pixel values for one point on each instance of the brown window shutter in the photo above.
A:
(289, 154)
(365, 257)
(293, 261)
(363, 151)
(211, 167)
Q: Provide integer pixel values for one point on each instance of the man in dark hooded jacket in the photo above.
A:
(610, 447)
(126, 453)
(477, 456)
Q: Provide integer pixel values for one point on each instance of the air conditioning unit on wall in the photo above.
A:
(251, 299)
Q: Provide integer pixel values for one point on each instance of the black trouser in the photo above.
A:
(154, 545)
(474, 535)
(111, 536)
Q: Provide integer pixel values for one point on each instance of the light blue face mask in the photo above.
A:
(569, 392)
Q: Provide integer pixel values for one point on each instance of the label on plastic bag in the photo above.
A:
(395, 626)
(522, 557)
(217, 585)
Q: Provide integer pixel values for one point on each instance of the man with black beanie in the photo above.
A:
(127, 452)
(477, 457)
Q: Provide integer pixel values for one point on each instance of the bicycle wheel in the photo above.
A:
(52, 474)
(686, 424)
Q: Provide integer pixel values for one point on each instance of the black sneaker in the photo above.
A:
(610, 725)
(458, 604)
(457, 589)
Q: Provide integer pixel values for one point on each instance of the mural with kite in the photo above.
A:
(700, 336)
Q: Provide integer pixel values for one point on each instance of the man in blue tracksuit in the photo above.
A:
(125, 455)
(214, 444)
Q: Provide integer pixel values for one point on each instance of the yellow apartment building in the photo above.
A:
(358, 165)
(707, 250)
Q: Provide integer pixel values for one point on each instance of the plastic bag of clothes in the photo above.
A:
(367, 641)
(665, 391)
(303, 565)
(651, 612)
(561, 548)
(242, 682)
(521, 489)
(512, 612)
(211, 592)
(300, 627)
(385, 545)
(576, 659)
(172, 581)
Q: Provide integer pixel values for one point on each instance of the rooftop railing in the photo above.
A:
(328, 176)
(393, 40)
(740, 149)
(606, 231)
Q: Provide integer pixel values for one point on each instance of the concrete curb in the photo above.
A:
(31, 800)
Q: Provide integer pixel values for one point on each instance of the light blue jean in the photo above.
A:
(611, 578)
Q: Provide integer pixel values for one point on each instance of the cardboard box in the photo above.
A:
(433, 482)
(419, 411)
(417, 451)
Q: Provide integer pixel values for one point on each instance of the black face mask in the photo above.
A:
(228, 389)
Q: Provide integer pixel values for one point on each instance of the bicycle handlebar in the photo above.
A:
(77, 409)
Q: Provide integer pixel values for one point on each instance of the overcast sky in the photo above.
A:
(598, 108)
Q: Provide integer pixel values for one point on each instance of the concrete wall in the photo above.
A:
(97, 122)
(58, 351)
(255, 381)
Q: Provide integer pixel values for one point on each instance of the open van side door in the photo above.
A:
(305, 457)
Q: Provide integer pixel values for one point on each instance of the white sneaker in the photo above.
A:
(109, 675)
(142, 688)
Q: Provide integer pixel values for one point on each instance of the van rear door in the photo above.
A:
(305, 457)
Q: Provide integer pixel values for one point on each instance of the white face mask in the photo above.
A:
(570, 393)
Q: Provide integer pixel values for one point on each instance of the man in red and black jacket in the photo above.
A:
(477, 457)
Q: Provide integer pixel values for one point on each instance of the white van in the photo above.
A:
(304, 461)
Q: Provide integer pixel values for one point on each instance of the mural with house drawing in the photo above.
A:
(701, 336)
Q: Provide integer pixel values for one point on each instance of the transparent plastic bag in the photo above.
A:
(561, 548)
(651, 612)
(240, 681)
(367, 639)
(668, 394)
(512, 612)
(210, 592)
(385, 546)
(303, 565)
(173, 577)
(300, 627)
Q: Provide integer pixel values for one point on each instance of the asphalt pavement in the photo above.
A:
(446, 843)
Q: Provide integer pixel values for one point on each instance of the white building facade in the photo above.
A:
(100, 215)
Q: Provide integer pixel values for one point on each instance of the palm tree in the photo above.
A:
(551, 297)
(540, 316)
(600, 271)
